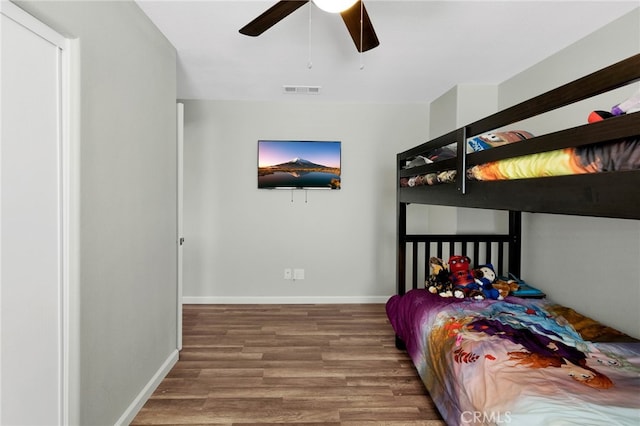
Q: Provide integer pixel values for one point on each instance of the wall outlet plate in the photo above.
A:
(288, 275)
(298, 274)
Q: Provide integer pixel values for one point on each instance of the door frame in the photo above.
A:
(180, 208)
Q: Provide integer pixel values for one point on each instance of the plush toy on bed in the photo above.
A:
(628, 106)
(485, 276)
(439, 281)
(464, 285)
(505, 287)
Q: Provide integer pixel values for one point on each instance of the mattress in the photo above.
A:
(518, 361)
(613, 156)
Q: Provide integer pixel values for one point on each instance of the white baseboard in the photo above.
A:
(131, 412)
(237, 300)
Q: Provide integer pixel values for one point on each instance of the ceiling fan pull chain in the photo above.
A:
(309, 63)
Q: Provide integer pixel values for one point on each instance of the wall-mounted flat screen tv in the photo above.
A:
(299, 164)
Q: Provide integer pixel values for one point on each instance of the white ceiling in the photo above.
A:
(426, 47)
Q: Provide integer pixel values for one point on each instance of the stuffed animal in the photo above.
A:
(448, 176)
(439, 282)
(598, 115)
(485, 275)
(505, 287)
(464, 284)
(630, 105)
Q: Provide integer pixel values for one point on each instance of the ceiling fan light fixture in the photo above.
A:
(334, 6)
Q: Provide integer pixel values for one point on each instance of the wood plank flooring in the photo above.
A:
(289, 364)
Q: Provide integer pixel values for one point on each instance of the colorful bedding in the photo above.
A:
(518, 361)
(605, 157)
(610, 157)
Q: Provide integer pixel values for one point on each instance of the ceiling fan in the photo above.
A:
(363, 35)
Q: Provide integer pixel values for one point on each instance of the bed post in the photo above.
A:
(401, 240)
(401, 233)
(515, 238)
(402, 248)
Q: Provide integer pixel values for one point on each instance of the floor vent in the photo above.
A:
(301, 90)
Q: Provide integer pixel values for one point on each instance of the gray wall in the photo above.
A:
(240, 238)
(590, 264)
(127, 267)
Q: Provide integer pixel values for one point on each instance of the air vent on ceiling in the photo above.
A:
(301, 90)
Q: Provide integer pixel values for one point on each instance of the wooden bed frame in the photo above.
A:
(599, 194)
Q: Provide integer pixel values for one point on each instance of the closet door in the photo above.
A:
(32, 387)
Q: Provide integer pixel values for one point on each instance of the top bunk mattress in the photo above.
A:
(620, 155)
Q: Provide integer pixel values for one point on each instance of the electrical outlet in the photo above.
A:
(287, 274)
(298, 274)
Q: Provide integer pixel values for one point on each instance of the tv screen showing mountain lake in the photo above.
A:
(299, 164)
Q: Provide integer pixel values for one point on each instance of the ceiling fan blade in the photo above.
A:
(351, 18)
(272, 16)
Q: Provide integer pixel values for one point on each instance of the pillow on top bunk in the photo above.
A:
(494, 139)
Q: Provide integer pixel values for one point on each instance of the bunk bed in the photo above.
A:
(517, 360)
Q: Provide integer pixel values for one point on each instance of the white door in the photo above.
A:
(32, 222)
(180, 145)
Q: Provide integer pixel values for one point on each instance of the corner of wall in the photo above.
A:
(442, 113)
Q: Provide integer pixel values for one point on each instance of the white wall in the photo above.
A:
(590, 264)
(239, 239)
(127, 295)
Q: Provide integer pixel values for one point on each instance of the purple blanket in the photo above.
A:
(515, 361)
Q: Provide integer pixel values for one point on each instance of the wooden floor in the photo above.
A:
(289, 364)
